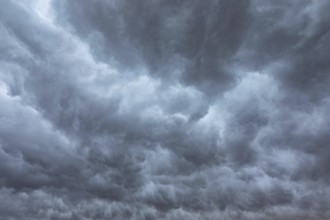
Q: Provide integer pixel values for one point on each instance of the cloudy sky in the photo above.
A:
(165, 109)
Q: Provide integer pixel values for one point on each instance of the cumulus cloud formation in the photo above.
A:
(164, 109)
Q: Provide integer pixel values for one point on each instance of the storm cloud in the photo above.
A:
(165, 109)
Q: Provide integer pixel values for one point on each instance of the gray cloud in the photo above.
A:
(164, 110)
(188, 37)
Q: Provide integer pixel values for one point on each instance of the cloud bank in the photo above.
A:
(164, 109)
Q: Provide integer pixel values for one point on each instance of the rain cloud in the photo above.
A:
(165, 109)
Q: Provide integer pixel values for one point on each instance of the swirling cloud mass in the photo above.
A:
(165, 109)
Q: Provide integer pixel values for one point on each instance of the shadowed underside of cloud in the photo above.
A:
(164, 109)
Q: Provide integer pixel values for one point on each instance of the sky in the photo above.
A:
(165, 109)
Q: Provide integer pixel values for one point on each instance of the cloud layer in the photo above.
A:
(164, 109)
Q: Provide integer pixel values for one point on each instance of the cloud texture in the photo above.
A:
(165, 109)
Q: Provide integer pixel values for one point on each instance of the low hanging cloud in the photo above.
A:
(164, 109)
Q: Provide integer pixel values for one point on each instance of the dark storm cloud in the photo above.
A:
(194, 36)
(164, 110)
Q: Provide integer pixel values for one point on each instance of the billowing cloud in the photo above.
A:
(164, 109)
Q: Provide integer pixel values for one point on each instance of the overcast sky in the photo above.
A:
(165, 109)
